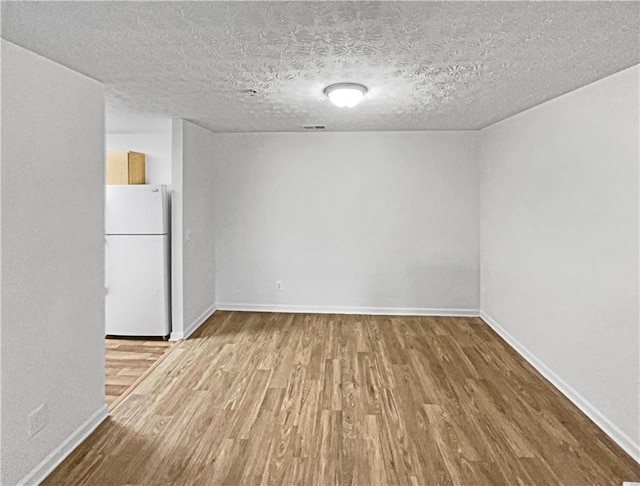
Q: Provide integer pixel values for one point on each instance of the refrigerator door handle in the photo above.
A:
(106, 254)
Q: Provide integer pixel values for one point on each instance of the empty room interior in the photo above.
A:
(320, 243)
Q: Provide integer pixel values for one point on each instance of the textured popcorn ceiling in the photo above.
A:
(428, 65)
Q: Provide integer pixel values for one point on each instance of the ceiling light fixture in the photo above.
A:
(345, 95)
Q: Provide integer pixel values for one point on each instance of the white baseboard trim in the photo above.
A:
(379, 311)
(49, 463)
(596, 416)
(178, 335)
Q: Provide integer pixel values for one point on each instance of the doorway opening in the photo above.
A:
(137, 249)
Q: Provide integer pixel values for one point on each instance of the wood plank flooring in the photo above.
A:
(301, 399)
(126, 361)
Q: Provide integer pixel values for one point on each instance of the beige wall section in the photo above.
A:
(559, 243)
(52, 299)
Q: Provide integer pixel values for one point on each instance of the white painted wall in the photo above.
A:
(122, 122)
(177, 287)
(378, 221)
(52, 299)
(559, 245)
(193, 265)
(155, 146)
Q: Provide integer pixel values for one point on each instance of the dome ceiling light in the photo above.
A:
(345, 95)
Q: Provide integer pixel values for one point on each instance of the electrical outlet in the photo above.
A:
(279, 286)
(38, 420)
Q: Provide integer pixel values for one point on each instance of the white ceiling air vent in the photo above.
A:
(314, 127)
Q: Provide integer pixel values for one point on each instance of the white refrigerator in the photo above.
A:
(137, 261)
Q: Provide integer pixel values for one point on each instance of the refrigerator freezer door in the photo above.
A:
(137, 281)
(136, 210)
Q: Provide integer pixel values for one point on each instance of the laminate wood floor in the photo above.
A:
(284, 399)
(126, 361)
